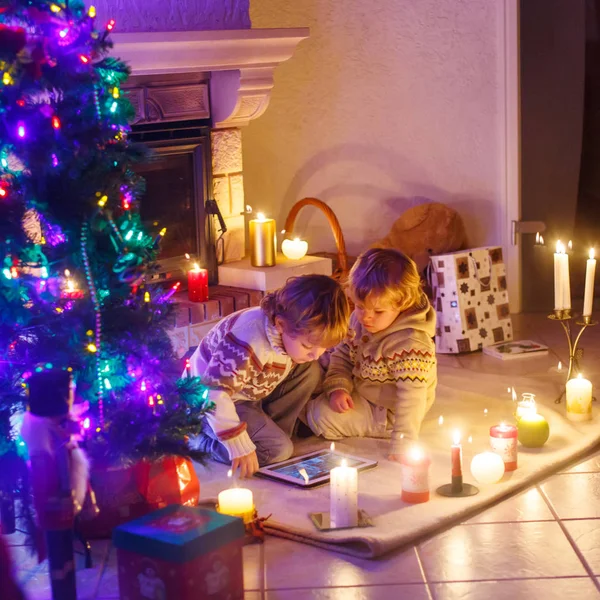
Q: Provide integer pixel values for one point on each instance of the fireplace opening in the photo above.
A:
(178, 180)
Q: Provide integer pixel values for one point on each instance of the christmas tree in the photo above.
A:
(74, 251)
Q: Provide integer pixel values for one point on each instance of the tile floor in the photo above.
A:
(542, 543)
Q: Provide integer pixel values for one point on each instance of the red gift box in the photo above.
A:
(126, 493)
(181, 552)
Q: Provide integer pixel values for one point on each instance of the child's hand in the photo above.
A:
(248, 465)
(395, 457)
(340, 401)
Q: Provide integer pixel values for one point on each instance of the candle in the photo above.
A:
(456, 459)
(579, 399)
(344, 496)
(533, 429)
(415, 476)
(503, 441)
(197, 284)
(526, 406)
(487, 467)
(70, 291)
(262, 241)
(237, 502)
(562, 285)
(294, 249)
(590, 274)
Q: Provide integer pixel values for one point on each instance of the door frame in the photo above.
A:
(510, 136)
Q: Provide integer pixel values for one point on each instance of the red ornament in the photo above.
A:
(12, 39)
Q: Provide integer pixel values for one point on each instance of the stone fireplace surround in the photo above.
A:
(224, 77)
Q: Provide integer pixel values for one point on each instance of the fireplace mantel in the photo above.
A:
(240, 62)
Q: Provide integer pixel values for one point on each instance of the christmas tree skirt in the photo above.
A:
(462, 398)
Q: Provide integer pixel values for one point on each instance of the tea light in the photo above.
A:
(487, 467)
(526, 406)
(533, 429)
(262, 241)
(237, 502)
(503, 441)
(415, 476)
(197, 284)
(579, 399)
(344, 496)
(294, 249)
(71, 291)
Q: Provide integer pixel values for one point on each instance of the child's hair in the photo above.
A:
(386, 275)
(310, 304)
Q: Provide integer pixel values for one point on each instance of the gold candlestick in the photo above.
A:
(262, 241)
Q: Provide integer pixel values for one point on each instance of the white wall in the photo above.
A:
(387, 103)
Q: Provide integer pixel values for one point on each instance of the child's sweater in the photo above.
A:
(395, 368)
(242, 358)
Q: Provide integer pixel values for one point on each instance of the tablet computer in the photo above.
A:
(310, 470)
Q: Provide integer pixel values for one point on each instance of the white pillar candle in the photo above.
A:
(579, 399)
(344, 496)
(236, 502)
(590, 274)
(294, 249)
(562, 285)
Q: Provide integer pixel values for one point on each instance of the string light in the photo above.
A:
(63, 33)
(92, 11)
(102, 202)
(55, 8)
(84, 59)
(7, 79)
(91, 347)
(111, 25)
(147, 297)
(113, 107)
(3, 192)
(55, 122)
(115, 92)
(21, 129)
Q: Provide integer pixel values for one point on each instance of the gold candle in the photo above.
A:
(262, 241)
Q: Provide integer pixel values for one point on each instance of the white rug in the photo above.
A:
(462, 397)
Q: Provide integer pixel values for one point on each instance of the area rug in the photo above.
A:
(467, 401)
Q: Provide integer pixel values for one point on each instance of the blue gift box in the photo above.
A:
(180, 552)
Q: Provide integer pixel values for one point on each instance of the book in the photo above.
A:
(516, 349)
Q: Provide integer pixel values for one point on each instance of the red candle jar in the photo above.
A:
(198, 284)
(503, 441)
(415, 476)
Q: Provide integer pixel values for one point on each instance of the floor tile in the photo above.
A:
(549, 589)
(252, 596)
(590, 465)
(253, 566)
(574, 495)
(527, 506)
(293, 565)
(586, 535)
(375, 592)
(499, 551)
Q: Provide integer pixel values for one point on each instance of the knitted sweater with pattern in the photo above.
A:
(241, 358)
(395, 368)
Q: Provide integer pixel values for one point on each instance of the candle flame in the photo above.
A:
(485, 412)
(592, 253)
(230, 473)
(332, 447)
(560, 247)
(542, 240)
(304, 474)
(261, 217)
(559, 368)
(508, 390)
(470, 439)
(580, 376)
(187, 256)
(196, 267)
(248, 208)
(70, 285)
(296, 239)
(441, 420)
(514, 395)
(416, 453)
(570, 245)
(456, 437)
(344, 463)
(537, 237)
(67, 273)
(283, 232)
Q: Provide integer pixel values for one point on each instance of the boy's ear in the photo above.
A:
(279, 324)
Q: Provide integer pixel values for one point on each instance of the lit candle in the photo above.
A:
(562, 285)
(456, 458)
(237, 502)
(344, 496)
(590, 274)
(526, 406)
(579, 399)
(70, 291)
(197, 284)
(262, 241)
(487, 467)
(415, 476)
(503, 441)
(294, 249)
(534, 430)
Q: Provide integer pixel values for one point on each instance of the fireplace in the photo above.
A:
(178, 187)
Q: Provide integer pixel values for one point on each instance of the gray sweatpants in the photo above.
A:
(271, 422)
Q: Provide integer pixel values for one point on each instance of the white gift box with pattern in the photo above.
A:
(470, 299)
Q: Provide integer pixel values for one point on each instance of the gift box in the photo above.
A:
(126, 493)
(470, 298)
(181, 552)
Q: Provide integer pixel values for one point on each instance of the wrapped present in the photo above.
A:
(471, 300)
(126, 493)
(181, 552)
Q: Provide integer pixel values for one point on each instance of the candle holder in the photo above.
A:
(453, 490)
(564, 317)
(248, 516)
(322, 521)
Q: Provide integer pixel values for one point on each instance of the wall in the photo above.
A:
(173, 15)
(386, 104)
